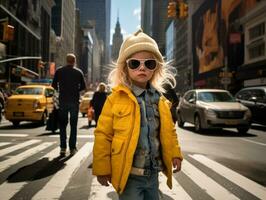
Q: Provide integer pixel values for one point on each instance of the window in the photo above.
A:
(257, 31)
(257, 50)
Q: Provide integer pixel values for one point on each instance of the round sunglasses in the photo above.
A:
(134, 63)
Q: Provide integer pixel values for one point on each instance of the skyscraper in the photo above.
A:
(117, 41)
(100, 12)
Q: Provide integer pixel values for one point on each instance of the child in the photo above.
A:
(135, 137)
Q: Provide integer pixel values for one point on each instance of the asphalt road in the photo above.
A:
(216, 165)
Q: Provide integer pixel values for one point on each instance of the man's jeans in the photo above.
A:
(73, 109)
(141, 188)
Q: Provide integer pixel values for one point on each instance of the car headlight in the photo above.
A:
(36, 104)
(210, 112)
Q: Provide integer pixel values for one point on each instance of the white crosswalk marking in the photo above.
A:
(203, 181)
(16, 147)
(8, 189)
(247, 184)
(13, 135)
(99, 192)
(78, 136)
(54, 188)
(19, 157)
(4, 143)
(177, 191)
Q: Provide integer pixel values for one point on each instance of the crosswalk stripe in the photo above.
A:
(177, 191)
(99, 192)
(54, 188)
(13, 135)
(16, 147)
(19, 157)
(78, 136)
(247, 184)
(4, 143)
(203, 181)
(9, 189)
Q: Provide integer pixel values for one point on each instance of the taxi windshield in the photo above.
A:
(29, 91)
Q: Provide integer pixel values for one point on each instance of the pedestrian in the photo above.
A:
(135, 137)
(98, 100)
(173, 98)
(68, 81)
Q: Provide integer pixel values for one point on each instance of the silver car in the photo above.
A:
(212, 108)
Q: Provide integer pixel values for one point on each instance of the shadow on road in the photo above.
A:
(21, 126)
(258, 127)
(220, 132)
(45, 168)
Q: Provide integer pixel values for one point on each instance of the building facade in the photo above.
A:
(100, 12)
(117, 41)
(30, 42)
(63, 23)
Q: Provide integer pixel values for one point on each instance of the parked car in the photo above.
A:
(85, 102)
(29, 103)
(212, 108)
(255, 99)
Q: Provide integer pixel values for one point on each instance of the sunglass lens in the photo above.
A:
(133, 64)
(150, 64)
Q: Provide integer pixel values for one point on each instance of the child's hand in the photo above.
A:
(103, 180)
(176, 164)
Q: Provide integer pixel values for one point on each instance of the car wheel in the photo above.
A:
(243, 130)
(15, 123)
(180, 122)
(197, 124)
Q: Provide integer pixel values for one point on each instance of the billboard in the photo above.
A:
(211, 28)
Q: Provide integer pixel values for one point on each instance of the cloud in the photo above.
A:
(137, 12)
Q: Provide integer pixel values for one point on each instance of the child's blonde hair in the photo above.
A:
(139, 42)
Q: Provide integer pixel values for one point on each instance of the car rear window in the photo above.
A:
(29, 91)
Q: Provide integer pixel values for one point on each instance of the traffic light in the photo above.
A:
(6, 32)
(171, 10)
(183, 10)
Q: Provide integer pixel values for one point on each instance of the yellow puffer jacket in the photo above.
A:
(117, 133)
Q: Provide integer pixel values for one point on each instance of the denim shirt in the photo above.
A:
(147, 154)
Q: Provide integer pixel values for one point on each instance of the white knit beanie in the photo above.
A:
(137, 42)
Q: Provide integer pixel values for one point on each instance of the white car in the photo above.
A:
(212, 108)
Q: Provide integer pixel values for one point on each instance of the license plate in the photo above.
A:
(231, 122)
(18, 114)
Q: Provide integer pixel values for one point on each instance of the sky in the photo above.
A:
(129, 16)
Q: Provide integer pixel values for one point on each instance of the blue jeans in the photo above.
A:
(141, 188)
(64, 109)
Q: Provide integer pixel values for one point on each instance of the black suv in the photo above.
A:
(255, 99)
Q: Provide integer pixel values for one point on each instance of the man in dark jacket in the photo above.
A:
(68, 81)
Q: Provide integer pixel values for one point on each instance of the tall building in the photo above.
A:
(117, 41)
(100, 12)
(63, 23)
(31, 22)
(154, 20)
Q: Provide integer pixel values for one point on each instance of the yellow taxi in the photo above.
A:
(30, 103)
(85, 102)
